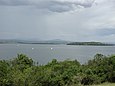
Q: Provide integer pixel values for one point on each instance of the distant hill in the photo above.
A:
(9, 41)
(91, 43)
(55, 41)
(15, 41)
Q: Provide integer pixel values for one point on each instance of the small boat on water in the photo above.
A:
(32, 48)
(51, 48)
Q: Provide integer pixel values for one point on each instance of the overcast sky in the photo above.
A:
(74, 20)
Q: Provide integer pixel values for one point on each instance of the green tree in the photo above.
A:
(22, 62)
(4, 71)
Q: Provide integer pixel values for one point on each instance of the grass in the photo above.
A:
(106, 84)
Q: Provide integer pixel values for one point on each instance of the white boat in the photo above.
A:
(32, 48)
(51, 48)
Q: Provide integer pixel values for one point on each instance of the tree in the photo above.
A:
(22, 62)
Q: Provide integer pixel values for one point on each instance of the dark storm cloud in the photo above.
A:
(50, 5)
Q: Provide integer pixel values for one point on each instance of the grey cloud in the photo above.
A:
(14, 2)
(86, 3)
(56, 6)
(105, 31)
(50, 5)
(27, 19)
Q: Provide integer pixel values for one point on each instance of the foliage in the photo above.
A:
(21, 71)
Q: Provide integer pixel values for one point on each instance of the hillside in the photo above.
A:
(16, 41)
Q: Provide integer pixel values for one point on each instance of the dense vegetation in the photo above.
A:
(23, 71)
(91, 43)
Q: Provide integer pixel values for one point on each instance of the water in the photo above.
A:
(45, 53)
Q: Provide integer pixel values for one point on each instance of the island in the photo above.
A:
(91, 43)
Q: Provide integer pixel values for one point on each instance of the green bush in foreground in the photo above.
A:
(22, 71)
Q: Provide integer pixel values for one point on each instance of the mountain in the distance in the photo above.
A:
(58, 41)
(16, 41)
(54, 41)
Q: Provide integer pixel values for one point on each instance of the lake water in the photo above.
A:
(45, 53)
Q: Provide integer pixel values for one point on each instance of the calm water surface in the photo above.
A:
(45, 53)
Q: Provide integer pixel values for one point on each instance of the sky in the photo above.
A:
(72, 20)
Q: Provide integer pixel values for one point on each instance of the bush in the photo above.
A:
(22, 72)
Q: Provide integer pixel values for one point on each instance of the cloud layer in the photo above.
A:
(76, 20)
(50, 5)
